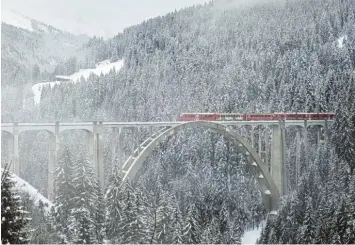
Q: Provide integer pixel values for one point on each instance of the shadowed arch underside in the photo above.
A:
(267, 187)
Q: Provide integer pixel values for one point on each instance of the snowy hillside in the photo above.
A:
(103, 67)
(251, 236)
(16, 19)
(35, 196)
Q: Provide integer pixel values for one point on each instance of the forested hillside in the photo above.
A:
(282, 56)
(29, 56)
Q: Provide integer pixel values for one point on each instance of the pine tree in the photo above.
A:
(307, 230)
(176, 226)
(114, 205)
(191, 230)
(83, 225)
(164, 217)
(341, 216)
(129, 224)
(85, 216)
(13, 215)
(64, 194)
(265, 234)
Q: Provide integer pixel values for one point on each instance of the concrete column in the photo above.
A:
(53, 160)
(133, 142)
(138, 141)
(15, 147)
(252, 135)
(326, 131)
(298, 155)
(267, 148)
(283, 135)
(92, 147)
(259, 141)
(318, 137)
(100, 156)
(120, 148)
(150, 131)
(113, 144)
(10, 152)
(277, 156)
(305, 142)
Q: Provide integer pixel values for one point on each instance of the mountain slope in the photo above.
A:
(32, 47)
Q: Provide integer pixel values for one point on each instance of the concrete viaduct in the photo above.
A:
(270, 175)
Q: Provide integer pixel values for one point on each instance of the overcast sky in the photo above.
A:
(94, 17)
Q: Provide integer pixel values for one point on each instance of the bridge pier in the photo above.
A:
(53, 160)
(278, 156)
(15, 150)
(100, 157)
(95, 152)
(113, 146)
(305, 143)
(298, 155)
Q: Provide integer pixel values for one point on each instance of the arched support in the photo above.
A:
(268, 189)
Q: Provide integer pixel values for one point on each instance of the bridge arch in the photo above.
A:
(267, 187)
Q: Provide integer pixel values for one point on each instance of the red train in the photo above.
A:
(254, 117)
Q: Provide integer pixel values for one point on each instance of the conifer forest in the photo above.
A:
(256, 57)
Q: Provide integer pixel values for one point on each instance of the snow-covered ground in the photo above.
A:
(341, 41)
(16, 19)
(35, 196)
(251, 236)
(103, 67)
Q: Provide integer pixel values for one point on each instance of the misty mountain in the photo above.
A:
(30, 48)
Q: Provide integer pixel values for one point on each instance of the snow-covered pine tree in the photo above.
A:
(308, 229)
(64, 194)
(83, 225)
(351, 215)
(344, 125)
(85, 214)
(141, 214)
(13, 215)
(265, 234)
(164, 217)
(191, 231)
(114, 206)
(342, 216)
(129, 224)
(177, 226)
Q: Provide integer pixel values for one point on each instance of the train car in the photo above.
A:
(254, 117)
(303, 116)
(231, 117)
(199, 117)
(259, 117)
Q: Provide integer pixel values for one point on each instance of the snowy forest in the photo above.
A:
(276, 56)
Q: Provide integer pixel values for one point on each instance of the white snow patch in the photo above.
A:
(69, 44)
(341, 41)
(35, 196)
(103, 67)
(16, 19)
(250, 237)
(37, 89)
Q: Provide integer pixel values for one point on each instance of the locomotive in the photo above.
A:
(254, 117)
